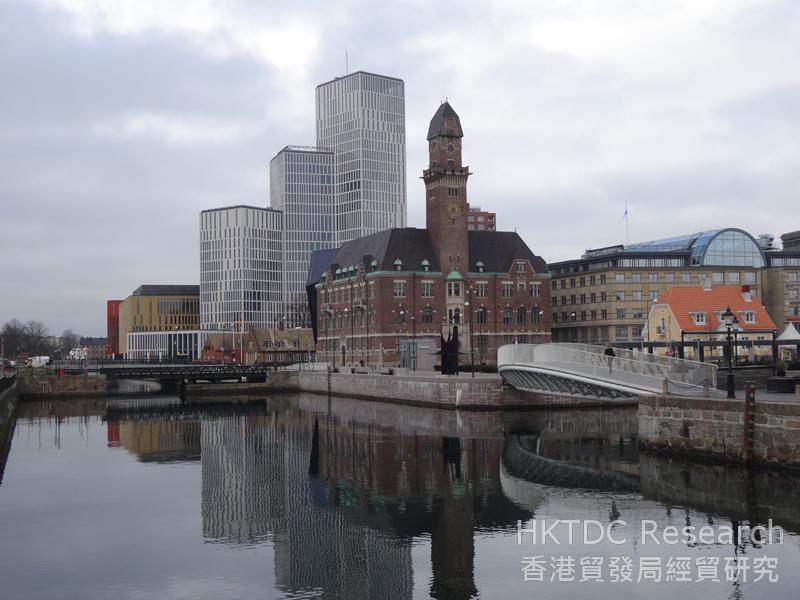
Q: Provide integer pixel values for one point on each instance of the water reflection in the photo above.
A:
(349, 497)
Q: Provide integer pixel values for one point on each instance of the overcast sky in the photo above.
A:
(121, 119)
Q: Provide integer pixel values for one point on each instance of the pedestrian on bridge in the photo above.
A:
(609, 357)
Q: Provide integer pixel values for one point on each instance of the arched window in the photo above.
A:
(427, 315)
(508, 316)
(482, 315)
(399, 316)
(536, 315)
(522, 315)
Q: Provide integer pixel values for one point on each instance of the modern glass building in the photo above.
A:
(302, 187)
(241, 268)
(361, 117)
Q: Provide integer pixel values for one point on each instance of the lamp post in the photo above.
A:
(730, 321)
(414, 342)
(347, 340)
(297, 330)
(471, 338)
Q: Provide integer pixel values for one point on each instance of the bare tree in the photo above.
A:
(13, 334)
(35, 338)
(297, 314)
(69, 340)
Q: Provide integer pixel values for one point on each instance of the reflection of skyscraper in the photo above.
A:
(256, 484)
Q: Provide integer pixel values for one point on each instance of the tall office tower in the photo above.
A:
(361, 117)
(301, 186)
(241, 268)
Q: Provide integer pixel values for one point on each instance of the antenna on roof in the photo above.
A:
(625, 216)
(346, 61)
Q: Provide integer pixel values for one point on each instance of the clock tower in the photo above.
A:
(446, 192)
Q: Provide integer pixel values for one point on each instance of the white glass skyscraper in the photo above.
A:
(361, 117)
(241, 268)
(301, 186)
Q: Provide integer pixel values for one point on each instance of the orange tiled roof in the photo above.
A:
(685, 301)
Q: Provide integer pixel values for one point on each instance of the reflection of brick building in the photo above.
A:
(392, 290)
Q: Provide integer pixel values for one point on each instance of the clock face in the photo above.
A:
(453, 211)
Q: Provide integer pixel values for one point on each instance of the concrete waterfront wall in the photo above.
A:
(709, 428)
(35, 384)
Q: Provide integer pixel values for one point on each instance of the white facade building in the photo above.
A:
(241, 268)
(302, 187)
(165, 345)
(361, 117)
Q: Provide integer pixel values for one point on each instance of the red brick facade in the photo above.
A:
(112, 320)
(407, 287)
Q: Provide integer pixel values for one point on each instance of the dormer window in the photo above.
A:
(520, 267)
(426, 265)
(749, 317)
(699, 318)
(373, 265)
(479, 266)
(398, 264)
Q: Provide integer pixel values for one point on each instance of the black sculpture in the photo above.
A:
(449, 353)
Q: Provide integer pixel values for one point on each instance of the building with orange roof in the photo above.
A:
(694, 313)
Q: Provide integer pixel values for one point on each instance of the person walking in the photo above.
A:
(609, 352)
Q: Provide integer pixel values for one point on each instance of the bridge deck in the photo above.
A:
(578, 369)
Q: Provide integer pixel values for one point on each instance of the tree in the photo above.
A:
(69, 340)
(35, 334)
(13, 334)
(296, 315)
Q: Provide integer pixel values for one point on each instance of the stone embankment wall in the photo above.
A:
(462, 392)
(709, 428)
(34, 384)
(450, 392)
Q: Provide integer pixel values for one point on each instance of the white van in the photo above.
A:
(37, 361)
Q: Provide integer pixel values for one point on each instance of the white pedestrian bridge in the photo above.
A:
(584, 370)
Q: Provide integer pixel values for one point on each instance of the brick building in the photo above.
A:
(481, 220)
(112, 325)
(388, 297)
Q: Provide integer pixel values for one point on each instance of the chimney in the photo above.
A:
(746, 293)
(706, 284)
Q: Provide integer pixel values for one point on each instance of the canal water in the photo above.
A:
(311, 497)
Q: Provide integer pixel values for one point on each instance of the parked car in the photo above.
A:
(37, 361)
(7, 364)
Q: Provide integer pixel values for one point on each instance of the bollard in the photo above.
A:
(748, 424)
(705, 388)
(665, 387)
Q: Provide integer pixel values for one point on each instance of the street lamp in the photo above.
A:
(297, 329)
(471, 338)
(730, 321)
(347, 341)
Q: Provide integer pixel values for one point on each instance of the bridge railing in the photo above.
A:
(590, 361)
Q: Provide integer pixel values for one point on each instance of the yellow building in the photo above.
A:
(159, 308)
(782, 282)
(606, 295)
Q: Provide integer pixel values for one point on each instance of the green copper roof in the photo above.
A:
(454, 275)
